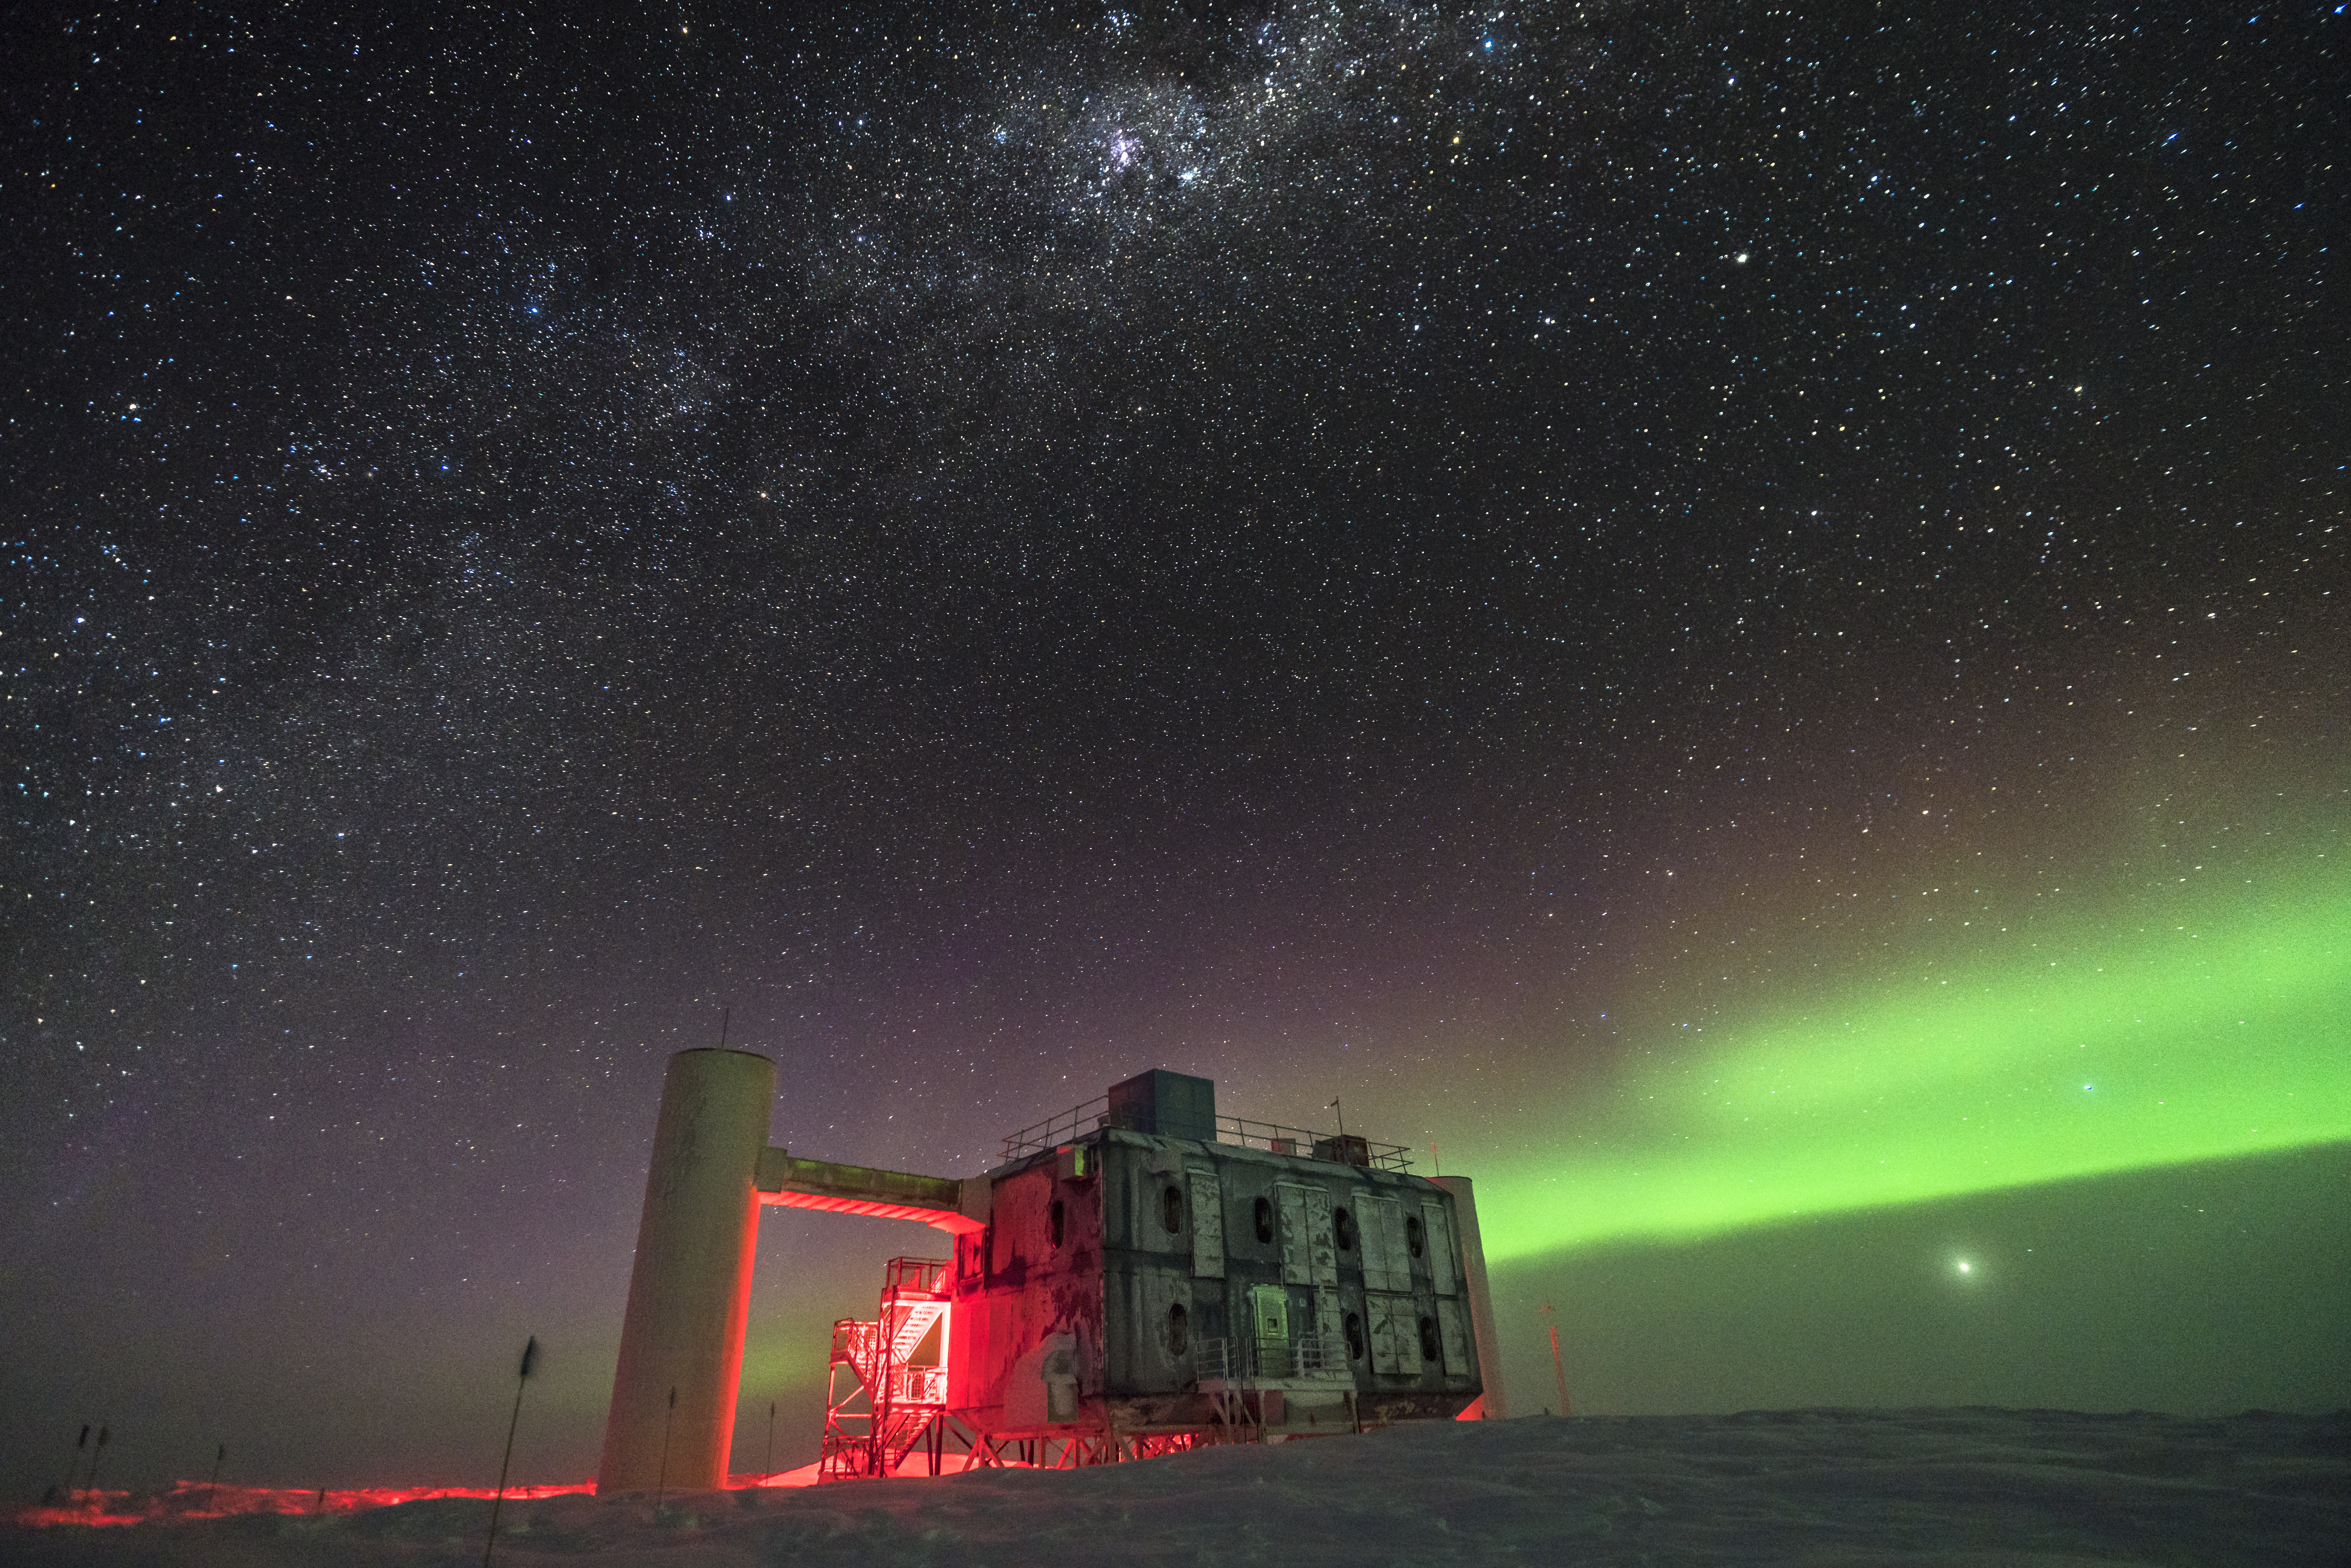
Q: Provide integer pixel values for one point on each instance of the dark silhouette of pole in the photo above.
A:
(660, 1487)
(213, 1485)
(103, 1433)
(529, 1354)
(767, 1463)
(73, 1471)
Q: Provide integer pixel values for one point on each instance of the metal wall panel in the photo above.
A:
(1391, 1237)
(1387, 1260)
(1395, 1335)
(1155, 1173)
(1453, 1331)
(1378, 1310)
(1015, 1290)
(1367, 1243)
(1329, 1319)
(1136, 1312)
(1321, 1245)
(1297, 1253)
(1207, 1226)
(1439, 1230)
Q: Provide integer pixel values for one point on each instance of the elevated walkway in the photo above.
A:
(786, 1181)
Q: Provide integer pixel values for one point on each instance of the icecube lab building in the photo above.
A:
(1139, 1274)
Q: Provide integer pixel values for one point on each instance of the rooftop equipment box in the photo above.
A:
(1166, 1105)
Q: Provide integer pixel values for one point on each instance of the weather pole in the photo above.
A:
(97, 1454)
(660, 1491)
(529, 1354)
(1559, 1367)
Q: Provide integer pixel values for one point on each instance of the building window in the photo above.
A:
(1414, 1236)
(1342, 1226)
(1179, 1330)
(1059, 1219)
(1265, 1220)
(1354, 1337)
(1171, 1209)
(1429, 1349)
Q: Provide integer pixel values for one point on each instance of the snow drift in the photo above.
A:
(2049, 1489)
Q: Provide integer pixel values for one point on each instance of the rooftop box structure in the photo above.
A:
(1166, 1104)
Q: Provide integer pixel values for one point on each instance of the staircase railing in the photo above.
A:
(902, 1404)
(1314, 1357)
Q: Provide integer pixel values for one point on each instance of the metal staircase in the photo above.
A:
(893, 1405)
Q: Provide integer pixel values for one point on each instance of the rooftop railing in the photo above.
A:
(914, 1276)
(1347, 1149)
(1055, 1131)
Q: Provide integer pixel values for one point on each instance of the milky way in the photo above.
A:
(1470, 560)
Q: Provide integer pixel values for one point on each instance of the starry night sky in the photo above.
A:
(1479, 561)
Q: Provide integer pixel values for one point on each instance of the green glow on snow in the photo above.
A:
(2222, 1034)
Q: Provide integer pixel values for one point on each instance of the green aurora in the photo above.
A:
(2212, 1029)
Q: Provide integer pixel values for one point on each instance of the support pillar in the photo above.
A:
(690, 1290)
(1481, 1297)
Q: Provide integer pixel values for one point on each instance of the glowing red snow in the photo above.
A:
(194, 1500)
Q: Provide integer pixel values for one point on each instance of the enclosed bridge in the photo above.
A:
(1138, 1275)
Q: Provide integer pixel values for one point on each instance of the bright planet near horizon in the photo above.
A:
(1730, 621)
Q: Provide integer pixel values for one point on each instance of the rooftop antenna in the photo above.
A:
(725, 1017)
(1334, 1105)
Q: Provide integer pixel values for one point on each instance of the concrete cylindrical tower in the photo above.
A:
(1481, 1297)
(690, 1292)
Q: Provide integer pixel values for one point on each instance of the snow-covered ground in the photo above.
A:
(1945, 1488)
